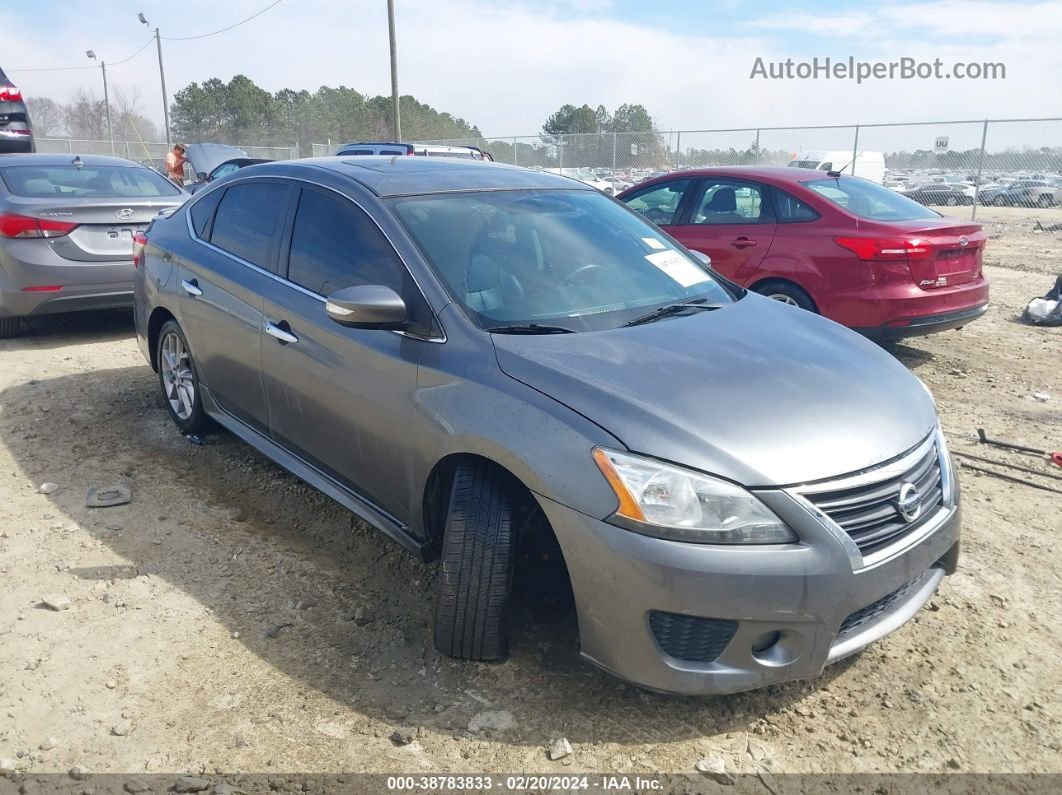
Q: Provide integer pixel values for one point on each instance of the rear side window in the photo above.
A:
(349, 152)
(334, 245)
(790, 210)
(866, 199)
(107, 182)
(248, 219)
(202, 209)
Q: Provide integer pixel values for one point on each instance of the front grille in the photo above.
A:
(870, 613)
(690, 638)
(869, 512)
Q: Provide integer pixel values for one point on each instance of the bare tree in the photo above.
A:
(46, 115)
(86, 117)
(127, 113)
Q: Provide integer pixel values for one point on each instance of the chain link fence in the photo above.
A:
(147, 150)
(1005, 162)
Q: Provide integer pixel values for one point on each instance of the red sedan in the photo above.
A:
(847, 248)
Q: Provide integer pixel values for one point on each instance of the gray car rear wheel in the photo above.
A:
(9, 326)
(476, 570)
(179, 381)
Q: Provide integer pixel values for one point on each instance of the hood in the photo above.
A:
(206, 157)
(757, 392)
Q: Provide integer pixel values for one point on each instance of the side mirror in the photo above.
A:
(702, 257)
(367, 306)
(201, 176)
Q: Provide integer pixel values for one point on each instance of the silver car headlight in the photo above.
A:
(669, 502)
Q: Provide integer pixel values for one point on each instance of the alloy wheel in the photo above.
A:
(783, 298)
(177, 376)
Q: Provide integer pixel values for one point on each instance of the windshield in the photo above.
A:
(574, 259)
(869, 200)
(107, 182)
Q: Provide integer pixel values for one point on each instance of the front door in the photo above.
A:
(341, 398)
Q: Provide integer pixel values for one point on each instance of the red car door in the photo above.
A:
(730, 220)
(662, 202)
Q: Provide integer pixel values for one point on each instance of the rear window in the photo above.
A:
(869, 200)
(87, 181)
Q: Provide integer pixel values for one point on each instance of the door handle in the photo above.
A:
(743, 242)
(282, 335)
(191, 287)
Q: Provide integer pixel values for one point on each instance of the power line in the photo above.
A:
(75, 68)
(223, 30)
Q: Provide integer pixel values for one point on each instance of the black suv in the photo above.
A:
(15, 132)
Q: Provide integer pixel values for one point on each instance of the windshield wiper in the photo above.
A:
(529, 328)
(671, 309)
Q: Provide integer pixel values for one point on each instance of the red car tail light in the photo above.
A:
(139, 244)
(13, 225)
(10, 94)
(43, 288)
(877, 248)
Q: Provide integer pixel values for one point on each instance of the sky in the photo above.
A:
(505, 65)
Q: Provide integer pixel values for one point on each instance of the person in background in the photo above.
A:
(175, 161)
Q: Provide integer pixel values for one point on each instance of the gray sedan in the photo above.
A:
(512, 373)
(67, 224)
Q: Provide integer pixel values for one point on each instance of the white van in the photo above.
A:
(868, 165)
(422, 150)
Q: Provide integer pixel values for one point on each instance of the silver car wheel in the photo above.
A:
(785, 299)
(177, 376)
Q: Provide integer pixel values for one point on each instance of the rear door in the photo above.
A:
(731, 221)
(222, 287)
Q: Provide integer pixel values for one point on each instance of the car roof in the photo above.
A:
(406, 176)
(41, 159)
(777, 173)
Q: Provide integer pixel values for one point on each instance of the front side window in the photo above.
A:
(248, 219)
(572, 259)
(721, 201)
(660, 203)
(335, 245)
(90, 182)
(869, 200)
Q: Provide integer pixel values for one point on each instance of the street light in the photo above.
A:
(91, 54)
(162, 76)
(397, 116)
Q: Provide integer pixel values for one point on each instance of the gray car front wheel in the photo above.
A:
(179, 381)
(476, 569)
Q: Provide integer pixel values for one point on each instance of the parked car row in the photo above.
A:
(508, 371)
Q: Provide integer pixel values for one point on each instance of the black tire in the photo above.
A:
(10, 327)
(476, 568)
(196, 419)
(951, 201)
(1045, 200)
(793, 295)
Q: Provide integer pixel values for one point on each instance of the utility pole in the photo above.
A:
(162, 76)
(396, 127)
(91, 54)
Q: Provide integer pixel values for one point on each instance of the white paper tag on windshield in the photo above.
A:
(678, 268)
(652, 242)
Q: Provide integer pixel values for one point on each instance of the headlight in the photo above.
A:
(661, 500)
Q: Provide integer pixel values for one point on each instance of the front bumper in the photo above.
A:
(816, 600)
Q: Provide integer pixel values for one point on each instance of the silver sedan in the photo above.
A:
(67, 228)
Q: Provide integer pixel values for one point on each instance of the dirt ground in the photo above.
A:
(214, 622)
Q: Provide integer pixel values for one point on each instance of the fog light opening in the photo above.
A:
(765, 641)
(777, 648)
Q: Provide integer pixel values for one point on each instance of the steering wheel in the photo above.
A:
(657, 216)
(581, 270)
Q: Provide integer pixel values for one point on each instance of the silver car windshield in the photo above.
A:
(110, 182)
(574, 259)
